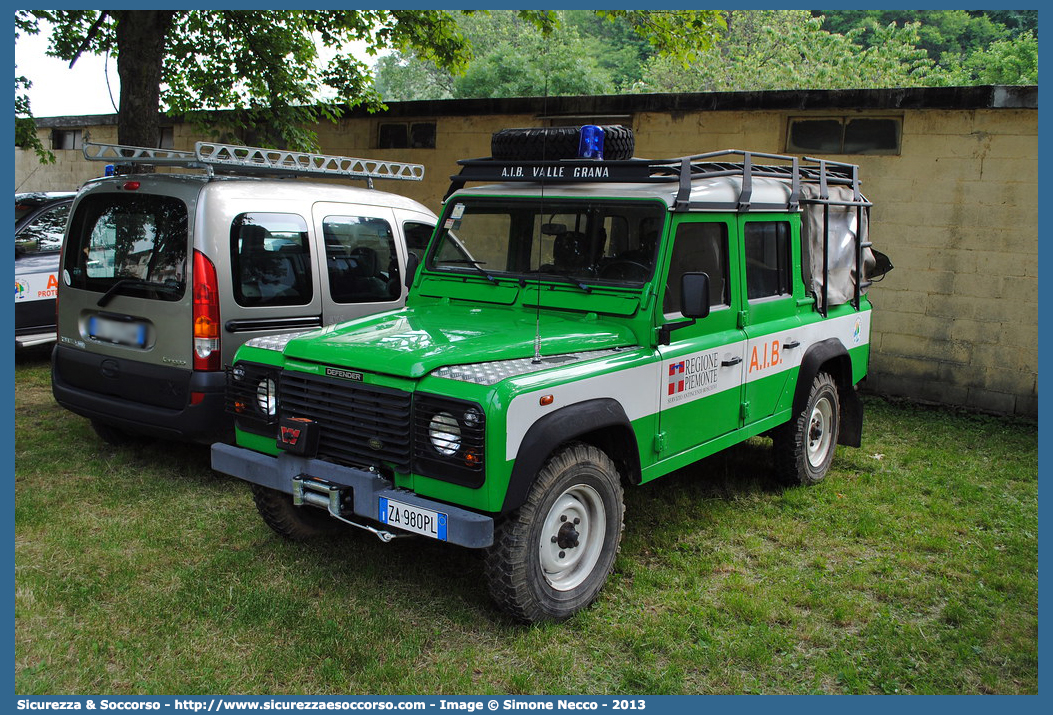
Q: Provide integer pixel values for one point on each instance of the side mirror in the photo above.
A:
(694, 295)
(412, 264)
(694, 304)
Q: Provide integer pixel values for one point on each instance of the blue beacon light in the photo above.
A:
(590, 145)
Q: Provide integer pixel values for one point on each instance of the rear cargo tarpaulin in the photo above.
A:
(840, 216)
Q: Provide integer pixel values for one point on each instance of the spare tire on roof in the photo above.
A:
(552, 143)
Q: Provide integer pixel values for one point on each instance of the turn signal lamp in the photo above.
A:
(206, 314)
(590, 144)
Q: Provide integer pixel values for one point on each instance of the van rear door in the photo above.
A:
(125, 294)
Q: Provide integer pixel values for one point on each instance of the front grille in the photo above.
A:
(361, 425)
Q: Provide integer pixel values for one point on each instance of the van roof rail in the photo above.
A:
(234, 159)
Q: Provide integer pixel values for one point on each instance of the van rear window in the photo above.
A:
(139, 241)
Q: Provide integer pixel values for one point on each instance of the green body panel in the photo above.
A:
(437, 332)
(467, 319)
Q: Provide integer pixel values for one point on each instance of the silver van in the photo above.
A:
(164, 275)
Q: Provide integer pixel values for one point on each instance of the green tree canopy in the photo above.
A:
(264, 67)
(958, 32)
(788, 49)
(583, 52)
(266, 70)
(1011, 61)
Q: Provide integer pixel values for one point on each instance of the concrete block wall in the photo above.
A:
(956, 211)
(957, 321)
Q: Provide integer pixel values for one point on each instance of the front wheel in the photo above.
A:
(551, 557)
(804, 447)
(293, 522)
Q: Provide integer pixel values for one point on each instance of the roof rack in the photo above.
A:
(233, 159)
(681, 170)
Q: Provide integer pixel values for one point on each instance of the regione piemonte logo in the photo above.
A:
(676, 377)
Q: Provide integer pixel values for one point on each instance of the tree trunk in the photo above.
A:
(141, 36)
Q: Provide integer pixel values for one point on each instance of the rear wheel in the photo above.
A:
(291, 521)
(552, 556)
(804, 447)
(115, 436)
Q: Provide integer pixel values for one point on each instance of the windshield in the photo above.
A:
(137, 240)
(589, 241)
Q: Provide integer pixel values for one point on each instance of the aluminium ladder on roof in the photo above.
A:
(231, 158)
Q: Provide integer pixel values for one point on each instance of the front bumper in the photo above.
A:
(463, 527)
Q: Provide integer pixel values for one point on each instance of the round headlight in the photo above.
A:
(444, 433)
(267, 397)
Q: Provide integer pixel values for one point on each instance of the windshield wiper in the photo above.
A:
(564, 278)
(138, 284)
(477, 265)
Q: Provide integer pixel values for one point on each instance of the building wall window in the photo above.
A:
(844, 135)
(166, 140)
(65, 139)
(406, 135)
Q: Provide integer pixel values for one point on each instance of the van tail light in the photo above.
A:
(207, 354)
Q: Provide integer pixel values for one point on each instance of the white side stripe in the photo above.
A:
(645, 390)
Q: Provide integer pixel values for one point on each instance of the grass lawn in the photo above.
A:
(911, 569)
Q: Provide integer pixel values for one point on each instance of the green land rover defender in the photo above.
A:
(577, 326)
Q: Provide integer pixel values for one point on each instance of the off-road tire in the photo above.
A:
(293, 522)
(552, 143)
(804, 447)
(542, 567)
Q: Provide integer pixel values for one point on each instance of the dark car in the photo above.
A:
(40, 223)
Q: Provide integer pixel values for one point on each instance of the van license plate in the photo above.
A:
(412, 518)
(117, 331)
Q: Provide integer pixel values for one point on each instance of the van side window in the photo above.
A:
(699, 248)
(361, 258)
(270, 259)
(767, 246)
(417, 236)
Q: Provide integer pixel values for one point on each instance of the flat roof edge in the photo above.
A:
(965, 98)
(980, 97)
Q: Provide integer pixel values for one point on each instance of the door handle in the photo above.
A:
(791, 345)
(733, 361)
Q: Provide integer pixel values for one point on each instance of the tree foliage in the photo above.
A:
(265, 68)
(788, 49)
(580, 52)
(1010, 61)
(958, 32)
(967, 47)
(25, 128)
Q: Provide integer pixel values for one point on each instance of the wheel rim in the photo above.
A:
(572, 537)
(820, 432)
